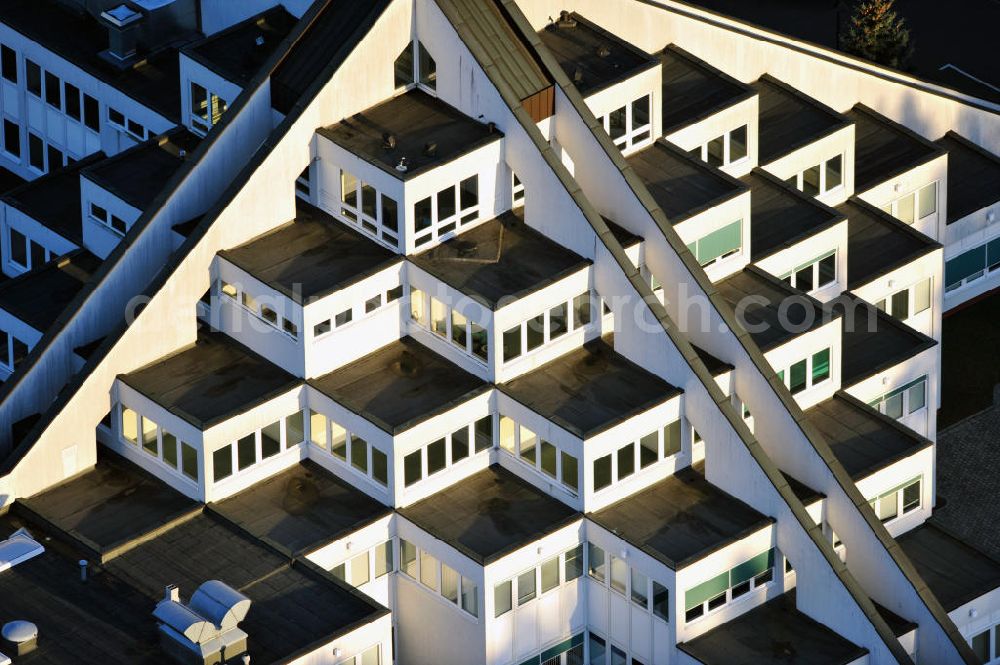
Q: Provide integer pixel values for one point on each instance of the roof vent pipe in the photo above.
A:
(83, 570)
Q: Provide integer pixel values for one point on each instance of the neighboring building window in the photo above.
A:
(348, 448)
(258, 446)
(903, 401)
(909, 301)
(655, 446)
(12, 138)
(816, 274)
(435, 217)
(820, 179)
(34, 76)
(629, 126)
(723, 150)
(730, 585)
(420, 565)
(914, 206)
(986, 644)
(206, 108)
(517, 191)
(36, 152)
(12, 350)
(376, 214)
(113, 222)
(970, 266)
(897, 501)
(8, 63)
(719, 244)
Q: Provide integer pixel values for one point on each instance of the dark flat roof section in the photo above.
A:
(40, 295)
(862, 439)
(400, 385)
(310, 257)
(238, 52)
(878, 243)
(301, 509)
(213, 380)
(109, 506)
(499, 259)
(715, 366)
(154, 80)
(137, 175)
(954, 570)
(681, 185)
(53, 200)
(489, 514)
(764, 321)
(775, 633)
(973, 176)
(693, 89)
(9, 180)
(781, 215)
(680, 519)
(872, 340)
(588, 390)
(789, 120)
(883, 149)
(592, 57)
(415, 120)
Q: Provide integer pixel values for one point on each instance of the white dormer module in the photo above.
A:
(19, 547)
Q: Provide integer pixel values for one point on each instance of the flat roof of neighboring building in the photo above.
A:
(490, 514)
(884, 149)
(973, 176)
(861, 438)
(311, 256)
(415, 120)
(681, 185)
(153, 80)
(400, 385)
(589, 389)
(592, 57)
(40, 295)
(301, 509)
(774, 633)
(768, 320)
(9, 180)
(238, 52)
(789, 119)
(109, 506)
(212, 380)
(954, 570)
(872, 340)
(53, 200)
(693, 89)
(878, 243)
(137, 175)
(680, 519)
(500, 259)
(781, 216)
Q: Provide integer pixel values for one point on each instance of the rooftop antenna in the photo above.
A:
(402, 166)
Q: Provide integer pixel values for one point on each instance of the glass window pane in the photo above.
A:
(827, 270)
(484, 433)
(558, 321)
(422, 218)
(508, 429)
(469, 192)
(804, 278)
(619, 574)
(922, 296)
(715, 151)
(916, 397)
(338, 441)
(149, 439)
(640, 589)
(626, 461)
(246, 451)
(810, 181)
(470, 597)
(821, 366)
(602, 472)
(528, 442)
(616, 123)
(738, 144)
(894, 406)
(911, 497)
(446, 203)
(570, 471)
(536, 332)
(904, 209)
(369, 200)
(459, 444)
(390, 214)
(380, 466)
(428, 570)
(403, 67)
(574, 563)
(480, 341)
(412, 467)
(349, 189)
(502, 598)
(901, 304)
(222, 463)
(640, 113)
(437, 457)
(927, 200)
(581, 310)
(834, 172)
(408, 558)
(661, 601)
(887, 508)
(459, 332)
(598, 650)
(526, 587)
(130, 425)
(512, 343)
(418, 306)
(295, 432)
(549, 458)
(596, 566)
(672, 438)
(797, 374)
(981, 646)
(449, 583)
(170, 449)
(428, 68)
(359, 570)
(189, 461)
(270, 440)
(550, 574)
(383, 559)
(439, 317)
(359, 453)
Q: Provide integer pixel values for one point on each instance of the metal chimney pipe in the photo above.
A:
(83, 570)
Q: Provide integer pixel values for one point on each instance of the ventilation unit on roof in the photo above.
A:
(122, 23)
(205, 631)
(19, 637)
(18, 548)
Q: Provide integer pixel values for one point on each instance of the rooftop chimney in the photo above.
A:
(123, 34)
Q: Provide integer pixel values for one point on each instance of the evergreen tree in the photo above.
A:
(877, 33)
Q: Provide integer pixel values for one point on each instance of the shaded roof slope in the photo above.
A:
(954, 570)
(878, 243)
(884, 149)
(38, 296)
(789, 119)
(973, 176)
(237, 52)
(693, 89)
